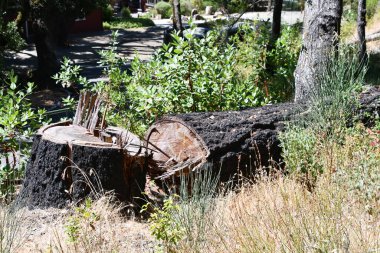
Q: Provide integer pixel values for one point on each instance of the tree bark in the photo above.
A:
(361, 30)
(276, 22)
(68, 164)
(320, 36)
(177, 20)
(230, 143)
(48, 63)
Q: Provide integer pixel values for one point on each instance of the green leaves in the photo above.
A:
(189, 75)
(17, 121)
(69, 74)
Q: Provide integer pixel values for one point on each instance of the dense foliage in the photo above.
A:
(192, 74)
(164, 9)
(18, 121)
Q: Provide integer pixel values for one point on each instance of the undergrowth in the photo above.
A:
(127, 23)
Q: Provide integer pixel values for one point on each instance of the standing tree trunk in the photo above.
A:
(177, 20)
(48, 63)
(320, 37)
(361, 30)
(276, 22)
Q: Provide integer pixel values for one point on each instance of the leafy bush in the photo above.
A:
(300, 150)
(18, 121)
(164, 8)
(107, 13)
(181, 220)
(194, 74)
(198, 4)
(162, 225)
(10, 38)
(125, 13)
(189, 75)
(75, 227)
(271, 70)
(372, 6)
(186, 7)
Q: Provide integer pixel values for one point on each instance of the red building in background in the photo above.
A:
(92, 22)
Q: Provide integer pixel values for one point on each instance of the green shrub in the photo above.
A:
(300, 153)
(18, 121)
(215, 5)
(163, 226)
(198, 4)
(186, 76)
(152, 13)
(126, 13)
(82, 220)
(10, 39)
(372, 6)
(271, 70)
(164, 8)
(181, 220)
(107, 13)
(186, 7)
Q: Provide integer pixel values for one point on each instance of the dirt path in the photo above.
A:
(84, 47)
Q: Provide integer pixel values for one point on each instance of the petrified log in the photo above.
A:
(68, 163)
(229, 142)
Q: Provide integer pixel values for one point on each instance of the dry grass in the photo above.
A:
(102, 227)
(341, 214)
(281, 216)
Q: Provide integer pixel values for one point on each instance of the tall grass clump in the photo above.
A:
(334, 100)
(91, 227)
(12, 235)
(184, 220)
(333, 107)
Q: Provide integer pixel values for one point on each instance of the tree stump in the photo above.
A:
(68, 163)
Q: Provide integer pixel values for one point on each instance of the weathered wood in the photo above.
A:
(229, 142)
(87, 113)
(68, 163)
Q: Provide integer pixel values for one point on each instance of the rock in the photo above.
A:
(217, 14)
(194, 12)
(209, 10)
(198, 17)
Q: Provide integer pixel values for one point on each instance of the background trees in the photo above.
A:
(50, 23)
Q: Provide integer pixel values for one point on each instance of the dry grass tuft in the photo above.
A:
(340, 214)
(101, 226)
(281, 216)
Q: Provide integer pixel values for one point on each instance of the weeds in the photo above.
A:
(92, 227)
(11, 234)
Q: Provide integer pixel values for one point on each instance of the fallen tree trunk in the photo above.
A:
(229, 142)
(68, 163)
